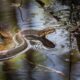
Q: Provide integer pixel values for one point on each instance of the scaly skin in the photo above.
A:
(22, 46)
(40, 35)
(21, 42)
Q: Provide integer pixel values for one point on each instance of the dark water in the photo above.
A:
(27, 67)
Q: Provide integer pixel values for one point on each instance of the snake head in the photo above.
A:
(47, 43)
(46, 31)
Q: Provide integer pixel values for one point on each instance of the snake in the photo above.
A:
(40, 35)
(21, 47)
(22, 42)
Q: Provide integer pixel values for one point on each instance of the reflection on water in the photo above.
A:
(27, 67)
(33, 16)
